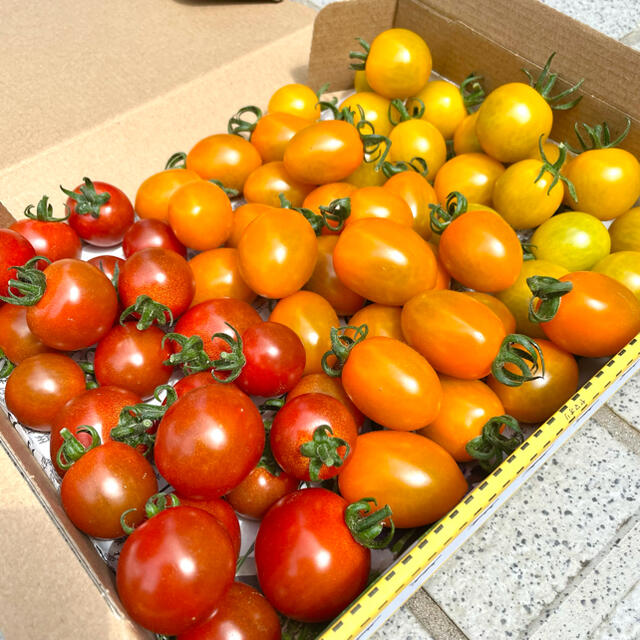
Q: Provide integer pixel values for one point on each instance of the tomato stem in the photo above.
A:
(491, 446)
(177, 160)
(192, 358)
(237, 125)
(419, 165)
(44, 211)
(335, 215)
(156, 503)
(554, 169)
(364, 528)
(88, 201)
(148, 311)
(316, 221)
(472, 91)
(232, 361)
(6, 366)
(359, 57)
(322, 450)
(229, 192)
(523, 353)
(30, 283)
(441, 217)
(71, 449)
(341, 346)
(527, 251)
(548, 291)
(599, 136)
(544, 85)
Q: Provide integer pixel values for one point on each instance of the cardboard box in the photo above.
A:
(113, 89)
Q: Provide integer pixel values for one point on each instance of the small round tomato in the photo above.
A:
(311, 317)
(511, 120)
(15, 250)
(376, 110)
(108, 264)
(275, 360)
(415, 476)
(104, 483)
(148, 233)
(40, 386)
(384, 261)
(466, 406)
(324, 195)
(538, 399)
(303, 451)
(392, 384)
(99, 213)
(625, 231)
(200, 215)
(623, 266)
(193, 381)
(272, 133)
(242, 614)
(498, 307)
(132, 359)
(481, 251)
(217, 275)
(458, 335)
(367, 174)
(465, 139)
(596, 318)
(574, 240)
(265, 184)
(243, 216)
(224, 157)
(378, 202)
(208, 441)
(193, 548)
(418, 139)
(308, 563)
(398, 63)
(380, 320)
(277, 253)
(360, 81)
(16, 339)
(152, 198)
(324, 152)
(443, 106)
(472, 174)
(297, 100)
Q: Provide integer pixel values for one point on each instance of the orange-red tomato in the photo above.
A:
(392, 384)
(465, 139)
(378, 202)
(380, 320)
(466, 406)
(265, 184)
(217, 275)
(152, 198)
(16, 339)
(277, 253)
(415, 476)
(384, 261)
(481, 251)
(472, 174)
(224, 157)
(242, 217)
(272, 133)
(297, 100)
(458, 335)
(498, 307)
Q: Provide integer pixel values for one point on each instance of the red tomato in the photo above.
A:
(109, 265)
(145, 234)
(15, 250)
(265, 184)
(309, 565)
(103, 484)
(100, 213)
(190, 546)
(208, 441)
(40, 386)
(152, 198)
(193, 381)
(16, 339)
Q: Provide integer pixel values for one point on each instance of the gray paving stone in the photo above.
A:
(402, 625)
(626, 402)
(624, 621)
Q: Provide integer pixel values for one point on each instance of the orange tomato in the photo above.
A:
(297, 100)
(381, 321)
(273, 132)
(265, 184)
(152, 198)
(242, 217)
(416, 191)
(443, 278)
(378, 202)
(498, 307)
(324, 195)
(472, 174)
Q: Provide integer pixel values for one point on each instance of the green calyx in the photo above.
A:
(89, 371)
(547, 291)
(441, 217)
(491, 447)
(599, 136)
(29, 285)
(521, 352)
(359, 57)
(71, 449)
(88, 201)
(238, 125)
(6, 366)
(346, 113)
(554, 169)
(376, 147)
(229, 192)
(323, 89)
(177, 160)
(322, 450)
(335, 215)
(341, 346)
(156, 503)
(419, 165)
(366, 527)
(149, 312)
(232, 361)
(472, 91)
(192, 357)
(544, 84)
(412, 109)
(316, 221)
(44, 211)
(527, 251)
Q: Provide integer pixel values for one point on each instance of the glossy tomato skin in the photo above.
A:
(375, 107)
(99, 408)
(272, 133)
(193, 548)
(132, 359)
(193, 381)
(265, 184)
(623, 266)
(596, 318)
(458, 335)
(104, 483)
(625, 231)
(53, 240)
(275, 360)
(108, 264)
(208, 441)
(392, 384)
(380, 320)
(378, 202)
(40, 386)
(309, 565)
(415, 476)
(114, 217)
(418, 139)
(295, 99)
(16, 339)
(498, 307)
(324, 195)
(148, 233)
(465, 139)
(15, 250)
(243, 216)
(443, 106)
(242, 614)
(152, 198)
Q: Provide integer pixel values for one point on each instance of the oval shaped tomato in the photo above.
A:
(53, 240)
(380, 320)
(367, 174)
(415, 476)
(272, 133)
(443, 106)
(242, 217)
(377, 202)
(148, 233)
(623, 266)
(15, 250)
(152, 197)
(625, 231)
(265, 184)
(297, 100)
(418, 139)
(498, 307)
(324, 195)
(16, 339)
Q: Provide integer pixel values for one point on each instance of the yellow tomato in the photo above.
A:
(472, 174)
(296, 99)
(366, 175)
(465, 139)
(443, 106)
(625, 231)
(418, 139)
(375, 107)
(623, 266)
(360, 81)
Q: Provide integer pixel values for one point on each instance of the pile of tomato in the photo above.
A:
(405, 213)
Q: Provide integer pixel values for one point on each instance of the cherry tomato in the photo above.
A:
(242, 614)
(272, 133)
(193, 381)
(360, 81)
(148, 233)
(309, 565)
(52, 239)
(415, 476)
(378, 202)
(15, 250)
(443, 106)
(324, 195)
(190, 546)
(480, 250)
(384, 261)
(623, 266)
(311, 317)
(538, 399)
(152, 198)
(392, 384)
(380, 320)
(16, 339)
(108, 264)
(625, 231)
(103, 484)
(132, 359)
(398, 63)
(418, 139)
(277, 253)
(265, 184)
(472, 174)
(40, 386)
(550, 149)
(376, 110)
(242, 217)
(498, 307)
(465, 139)
(297, 100)
(458, 335)
(275, 360)
(367, 174)
(596, 318)
(224, 157)
(443, 277)
(99, 213)
(324, 152)
(466, 406)
(208, 441)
